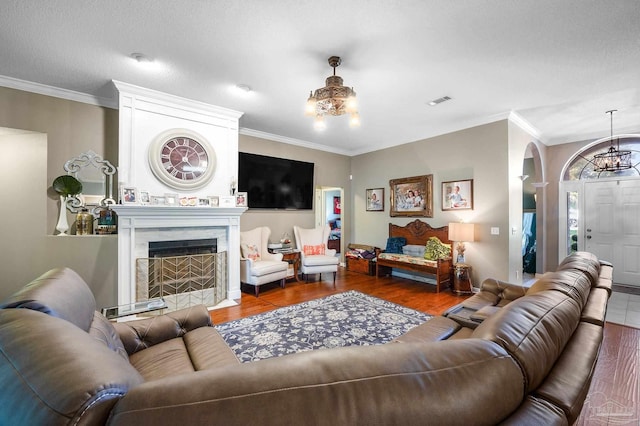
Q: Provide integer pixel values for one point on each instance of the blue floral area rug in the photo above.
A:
(344, 319)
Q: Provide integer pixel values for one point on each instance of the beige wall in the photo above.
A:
(331, 170)
(490, 154)
(28, 249)
(480, 153)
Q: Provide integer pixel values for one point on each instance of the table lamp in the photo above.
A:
(459, 233)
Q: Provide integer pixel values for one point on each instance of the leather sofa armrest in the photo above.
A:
(141, 334)
(503, 290)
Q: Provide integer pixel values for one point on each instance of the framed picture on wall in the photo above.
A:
(337, 206)
(412, 196)
(375, 200)
(457, 195)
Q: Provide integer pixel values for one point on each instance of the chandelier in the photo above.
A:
(612, 160)
(333, 99)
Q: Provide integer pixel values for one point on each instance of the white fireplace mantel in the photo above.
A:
(136, 218)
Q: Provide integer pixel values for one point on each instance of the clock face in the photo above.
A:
(182, 159)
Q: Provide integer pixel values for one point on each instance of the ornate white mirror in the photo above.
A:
(96, 176)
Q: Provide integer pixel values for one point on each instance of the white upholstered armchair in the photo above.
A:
(257, 265)
(315, 257)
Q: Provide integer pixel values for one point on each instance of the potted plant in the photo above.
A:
(65, 186)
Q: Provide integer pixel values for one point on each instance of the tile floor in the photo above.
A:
(624, 309)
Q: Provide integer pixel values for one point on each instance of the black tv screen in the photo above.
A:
(275, 183)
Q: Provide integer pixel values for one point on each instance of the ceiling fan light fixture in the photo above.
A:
(319, 123)
(354, 119)
(310, 109)
(332, 99)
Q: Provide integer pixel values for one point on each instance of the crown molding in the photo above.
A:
(517, 119)
(56, 92)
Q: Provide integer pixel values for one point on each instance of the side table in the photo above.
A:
(115, 312)
(293, 259)
(462, 278)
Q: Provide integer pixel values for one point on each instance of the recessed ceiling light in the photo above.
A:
(141, 58)
(439, 100)
(241, 90)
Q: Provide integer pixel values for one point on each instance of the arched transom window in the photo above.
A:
(582, 166)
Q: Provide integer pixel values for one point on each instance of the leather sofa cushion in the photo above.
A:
(165, 359)
(104, 331)
(595, 310)
(207, 349)
(567, 384)
(485, 312)
(534, 329)
(200, 349)
(584, 262)
(536, 412)
(432, 330)
(56, 373)
(573, 283)
(463, 333)
(61, 293)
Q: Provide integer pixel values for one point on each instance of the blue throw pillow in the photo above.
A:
(395, 244)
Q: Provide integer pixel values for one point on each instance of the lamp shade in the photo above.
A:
(459, 231)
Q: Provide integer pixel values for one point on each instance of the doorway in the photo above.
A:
(329, 210)
(612, 226)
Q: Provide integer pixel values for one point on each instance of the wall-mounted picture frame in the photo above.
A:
(337, 205)
(457, 195)
(214, 201)
(129, 195)
(375, 200)
(241, 199)
(412, 196)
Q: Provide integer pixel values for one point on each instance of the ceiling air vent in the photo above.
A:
(439, 100)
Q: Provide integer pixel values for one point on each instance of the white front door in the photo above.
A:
(612, 226)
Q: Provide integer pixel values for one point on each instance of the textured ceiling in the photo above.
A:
(559, 65)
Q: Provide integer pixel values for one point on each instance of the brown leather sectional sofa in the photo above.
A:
(506, 356)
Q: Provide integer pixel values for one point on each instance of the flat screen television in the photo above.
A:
(275, 183)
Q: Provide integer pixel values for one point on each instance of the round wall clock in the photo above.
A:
(182, 159)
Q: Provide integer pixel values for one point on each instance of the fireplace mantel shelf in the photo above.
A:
(169, 211)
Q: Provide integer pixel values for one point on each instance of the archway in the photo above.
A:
(533, 233)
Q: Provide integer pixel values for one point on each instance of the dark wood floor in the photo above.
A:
(615, 389)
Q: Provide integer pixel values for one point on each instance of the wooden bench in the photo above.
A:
(418, 232)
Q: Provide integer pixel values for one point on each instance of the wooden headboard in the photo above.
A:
(418, 232)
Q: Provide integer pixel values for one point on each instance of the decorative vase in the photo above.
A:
(62, 225)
